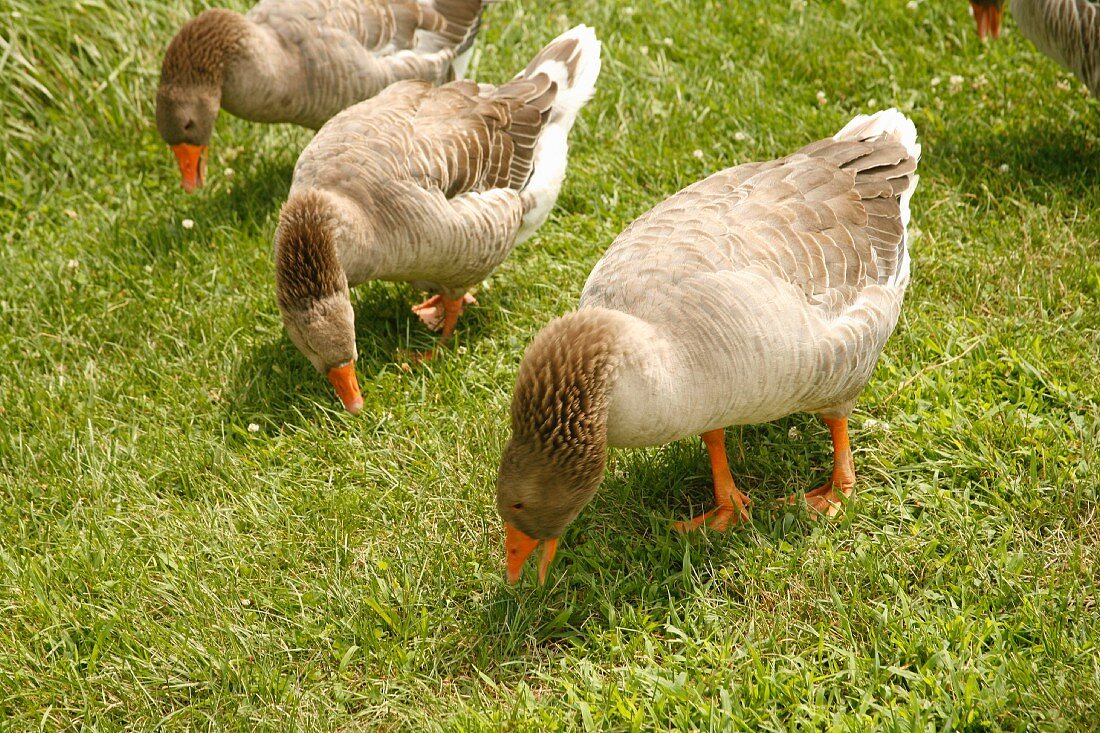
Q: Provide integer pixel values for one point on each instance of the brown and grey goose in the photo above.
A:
(1066, 30)
(428, 185)
(763, 290)
(301, 61)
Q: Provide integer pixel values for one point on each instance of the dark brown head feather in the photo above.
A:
(306, 266)
(562, 392)
(197, 54)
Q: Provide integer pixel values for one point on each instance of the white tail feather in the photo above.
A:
(893, 124)
(552, 149)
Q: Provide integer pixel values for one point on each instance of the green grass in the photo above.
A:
(194, 535)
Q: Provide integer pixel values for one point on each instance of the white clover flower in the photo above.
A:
(229, 173)
(72, 264)
(955, 83)
(794, 433)
(698, 154)
(1003, 168)
(188, 224)
(821, 98)
(936, 81)
(253, 427)
(741, 136)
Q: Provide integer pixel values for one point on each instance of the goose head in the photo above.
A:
(189, 95)
(556, 457)
(312, 291)
(987, 14)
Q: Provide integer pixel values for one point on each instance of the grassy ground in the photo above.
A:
(194, 535)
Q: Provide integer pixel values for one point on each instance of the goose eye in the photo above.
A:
(518, 506)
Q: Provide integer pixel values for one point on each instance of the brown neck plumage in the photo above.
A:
(562, 396)
(199, 52)
(306, 265)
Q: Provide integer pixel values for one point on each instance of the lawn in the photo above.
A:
(194, 535)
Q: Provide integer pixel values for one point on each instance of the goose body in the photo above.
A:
(301, 61)
(431, 186)
(763, 290)
(1066, 30)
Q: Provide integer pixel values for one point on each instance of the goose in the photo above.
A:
(1066, 30)
(765, 289)
(428, 185)
(301, 61)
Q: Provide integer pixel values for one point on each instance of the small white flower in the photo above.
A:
(253, 427)
(741, 136)
(644, 50)
(1003, 168)
(794, 433)
(229, 173)
(72, 214)
(147, 268)
(698, 154)
(628, 10)
(1063, 85)
(72, 264)
(911, 5)
(667, 41)
(955, 83)
(872, 102)
(188, 224)
(936, 81)
(821, 98)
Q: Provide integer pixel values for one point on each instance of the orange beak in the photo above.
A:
(192, 161)
(988, 18)
(347, 387)
(519, 547)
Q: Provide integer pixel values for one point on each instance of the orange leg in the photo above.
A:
(440, 313)
(731, 505)
(436, 310)
(828, 499)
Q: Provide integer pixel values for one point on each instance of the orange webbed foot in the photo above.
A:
(720, 518)
(433, 311)
(828, 499)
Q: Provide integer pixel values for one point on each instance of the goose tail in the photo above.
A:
(572, 63)
(892, 125)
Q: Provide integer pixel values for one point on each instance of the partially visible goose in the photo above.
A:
(1066, 30)
(765, 289)
(432, 186)
(300, 61)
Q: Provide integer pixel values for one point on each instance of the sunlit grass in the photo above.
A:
(193, 534)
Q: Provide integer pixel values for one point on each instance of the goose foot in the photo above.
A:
(720, 517)
(826, 499)
(732, 506)
(829, 498)
(435, 310)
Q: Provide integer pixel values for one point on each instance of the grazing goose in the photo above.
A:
(1066, 30)
(431, 186)
(300, 61)
(765, 289)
